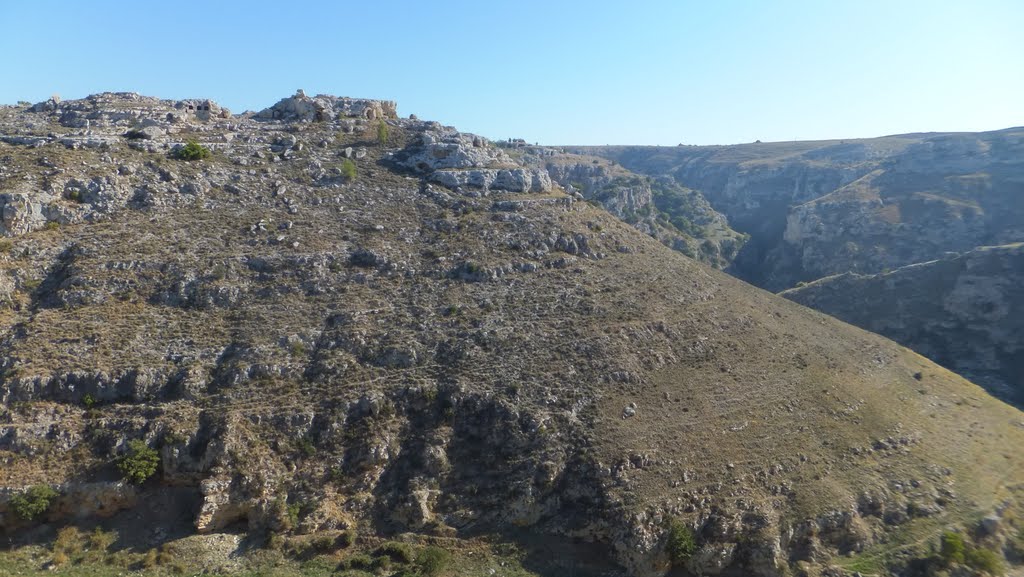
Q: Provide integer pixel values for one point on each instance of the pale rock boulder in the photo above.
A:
(455, 159)
(21, 213)
(325, 108)
(219, 509)
(442, 147)
(511, 180)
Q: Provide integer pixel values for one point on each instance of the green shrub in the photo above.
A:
(381, 563)
(274, 541)
(348, 169)
(432, 561)
(952, 548)
(139, 463)
(985, 560)
(322, 544)
(400, 552)
(682, 542)
(347, 538)
(34, 502)
(192, 151)
(382, 133)
(292, 512)
(358, 561)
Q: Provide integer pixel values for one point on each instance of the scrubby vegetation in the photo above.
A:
(985, 560)
(34, 502)
(400, 552)
(348, 169)
(432, 561)
(192, 150)
(140, 463)
(682, 543)
(952, 548)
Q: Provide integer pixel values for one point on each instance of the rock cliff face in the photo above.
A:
(309, 348)
(680, 218)
(966, 312)
(814, 209)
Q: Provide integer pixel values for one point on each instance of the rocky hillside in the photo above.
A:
(965, 311)
(324, 318)
(678, 217)
(819, 209)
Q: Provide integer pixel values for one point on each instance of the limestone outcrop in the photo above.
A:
(326, 108)
(456, 160)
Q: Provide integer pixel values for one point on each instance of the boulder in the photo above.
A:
(325, 108)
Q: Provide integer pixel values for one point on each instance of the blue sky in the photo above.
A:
(642, 72)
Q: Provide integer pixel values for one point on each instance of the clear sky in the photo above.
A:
(557, 72)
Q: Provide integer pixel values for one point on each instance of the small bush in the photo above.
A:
(358, 561)
(166, 557)
(952, 548)
(682, 543)
(100, 540)
(274, 542)
(400, 552)
(60, 558)
(192, 151)
(68, 541)
(985, 560)
(322, 544)
(432, 561)
(382, 133)
(292, 514)
(34, 502)
(347, 538)
(348, 169)
(149, 561)
(140, 463)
